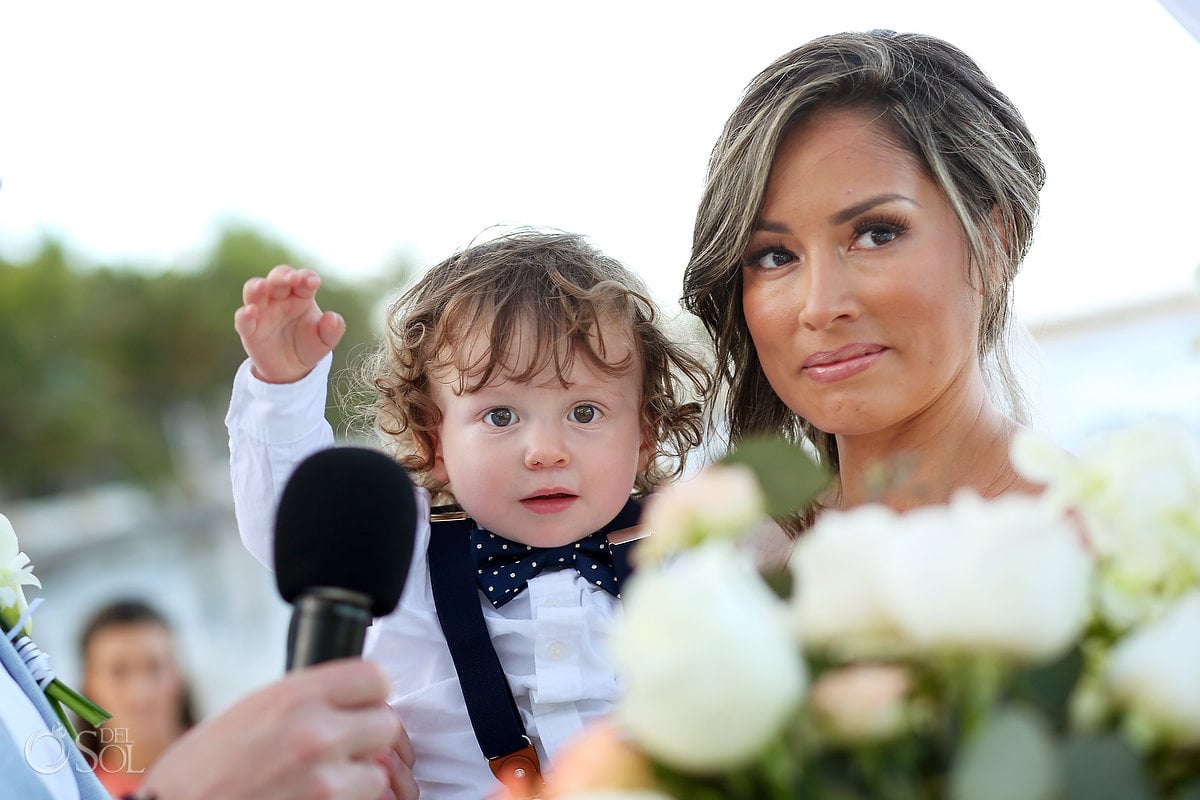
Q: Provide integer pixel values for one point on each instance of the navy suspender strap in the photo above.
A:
(621, 564)
(618, 545)
(489, 699)
(490, 704)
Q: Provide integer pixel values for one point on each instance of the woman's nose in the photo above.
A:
(828, 293)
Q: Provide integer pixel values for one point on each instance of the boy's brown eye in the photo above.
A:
(499, 417)
(583, 414)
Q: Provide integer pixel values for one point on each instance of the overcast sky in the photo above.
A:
(360, 131)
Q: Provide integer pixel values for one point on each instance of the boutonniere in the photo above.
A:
(16, 573)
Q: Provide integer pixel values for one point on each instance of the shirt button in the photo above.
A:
(557, 650)
(552, 602)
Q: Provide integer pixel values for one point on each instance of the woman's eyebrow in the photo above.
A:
(849, 213)
(771, 227)
(840, 217)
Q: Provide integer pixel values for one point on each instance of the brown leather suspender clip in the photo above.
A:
(520, 772)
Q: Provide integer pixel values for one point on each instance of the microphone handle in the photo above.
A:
(327, 624)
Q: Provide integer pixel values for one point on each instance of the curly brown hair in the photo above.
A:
(557, 286)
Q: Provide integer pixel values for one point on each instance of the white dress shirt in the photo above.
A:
(550, 639)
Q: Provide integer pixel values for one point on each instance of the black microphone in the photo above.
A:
(343, 545)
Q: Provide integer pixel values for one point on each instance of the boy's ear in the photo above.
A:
(646, 451)
(438, 469)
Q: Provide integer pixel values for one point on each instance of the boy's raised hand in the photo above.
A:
(283, 330)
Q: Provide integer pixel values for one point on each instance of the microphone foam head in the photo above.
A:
(346, 520)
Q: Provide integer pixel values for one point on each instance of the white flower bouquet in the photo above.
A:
(16, 625)
(1020, 648)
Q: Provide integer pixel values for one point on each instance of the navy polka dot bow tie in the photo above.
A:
(504, 568)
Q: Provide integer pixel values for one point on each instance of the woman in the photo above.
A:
(130, 670)
(867, 207)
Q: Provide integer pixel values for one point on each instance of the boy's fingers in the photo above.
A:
(254, 291)
(281, 281)
(305, 283)
(280, 274)
(330, 328)
(245, 321)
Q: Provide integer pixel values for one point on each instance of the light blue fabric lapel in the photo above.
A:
(16, 777)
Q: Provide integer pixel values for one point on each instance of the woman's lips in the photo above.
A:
(845, 362)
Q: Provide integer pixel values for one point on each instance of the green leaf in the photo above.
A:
(1049, 686)
(779, 581)
(1103, 768)
(790, 478)
(1013, 757)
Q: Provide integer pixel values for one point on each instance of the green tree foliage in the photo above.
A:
(94, 359)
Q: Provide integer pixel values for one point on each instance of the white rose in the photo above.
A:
(837, 599)
(722, 502)
(1141, 478)
(1137, 491)
(1008, 575)
(1156, 672)
(710, 671)
(1155, 464)
(861, 702)
(15, 573)
(1039, 459)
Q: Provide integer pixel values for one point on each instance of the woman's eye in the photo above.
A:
(876, 236)
(585, 414)
(500, 417)
(771, 258)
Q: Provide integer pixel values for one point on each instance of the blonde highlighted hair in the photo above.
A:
(941, 109)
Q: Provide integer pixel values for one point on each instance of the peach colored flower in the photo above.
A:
(722, 502)
(861, 702)
(600, 759)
